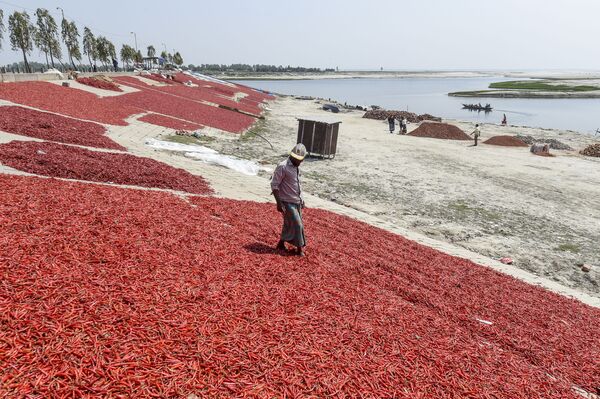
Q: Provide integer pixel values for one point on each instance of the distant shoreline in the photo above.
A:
(357, 75)
(550, 75)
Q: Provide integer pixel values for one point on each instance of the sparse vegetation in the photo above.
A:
(569, 247)
(189, 139)
(540, 86)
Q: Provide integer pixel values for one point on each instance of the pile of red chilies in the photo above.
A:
(57, 160)
(52, 127)
(99, 84)
(116, 292)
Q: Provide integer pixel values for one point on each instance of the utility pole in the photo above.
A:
(135, 38)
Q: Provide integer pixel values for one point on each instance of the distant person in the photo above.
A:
(476, 133)
(392, 123)
(504, 120)
(95, 68)
(115, 64)
(286, 190)
(404, 125)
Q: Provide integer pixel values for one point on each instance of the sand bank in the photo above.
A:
(495, 201)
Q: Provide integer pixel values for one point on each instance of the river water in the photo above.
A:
(430, 95)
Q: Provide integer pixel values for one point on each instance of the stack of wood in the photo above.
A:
(592, 150)
(380, 114)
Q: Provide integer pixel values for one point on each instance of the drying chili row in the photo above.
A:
(46, 126)
(57, 160)
(66, 101)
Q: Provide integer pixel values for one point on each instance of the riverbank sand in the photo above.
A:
(542, 212)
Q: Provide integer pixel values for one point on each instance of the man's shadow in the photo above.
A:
(260, 248)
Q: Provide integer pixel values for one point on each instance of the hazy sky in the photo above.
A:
(350, 34)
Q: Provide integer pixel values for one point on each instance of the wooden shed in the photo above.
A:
(319, 135)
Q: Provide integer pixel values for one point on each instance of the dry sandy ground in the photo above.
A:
(496, 201)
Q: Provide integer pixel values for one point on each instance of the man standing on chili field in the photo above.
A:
(286, 190)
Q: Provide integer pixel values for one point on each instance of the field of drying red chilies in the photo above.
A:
(52, 127)
(57, 160)
(111, 292)
(66, 101)
(177, 101)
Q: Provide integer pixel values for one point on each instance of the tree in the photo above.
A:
(22, 33)
(103, 50)
(170, 58)
(46, 37)
(178, 59)
(151, 51)
(70, 36)
(1, 27)
(127, 54)
(111, 49)
(89, 45)
(164, 55)
(138, 57)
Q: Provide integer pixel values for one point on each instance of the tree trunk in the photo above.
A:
(90, 60)
(27, 69)
(47, 64)
(52, 60)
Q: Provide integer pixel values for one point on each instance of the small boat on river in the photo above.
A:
(478, 107)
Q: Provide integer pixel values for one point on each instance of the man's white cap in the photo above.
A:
(298, 152)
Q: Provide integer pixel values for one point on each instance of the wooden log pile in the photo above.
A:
(592, 150)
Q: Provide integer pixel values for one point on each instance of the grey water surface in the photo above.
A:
(430, 95)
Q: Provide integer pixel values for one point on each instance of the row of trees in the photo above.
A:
(253, 68)
(45, 35)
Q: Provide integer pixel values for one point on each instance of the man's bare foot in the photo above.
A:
(280, 246)
(300, 252)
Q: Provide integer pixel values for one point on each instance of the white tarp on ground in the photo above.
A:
(207, 155)
(240, 165)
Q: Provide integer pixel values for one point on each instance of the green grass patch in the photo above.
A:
(568, 247)
(541, 86)
(463, 210)
(189, 139)
(256, 131)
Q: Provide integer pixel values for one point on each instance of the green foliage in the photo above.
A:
(164, 55)
(540, 86)
(70, 36)
(46, 35)
(128, 54)
(177, 59)
(89, 45)
(104, 49)
(257, 68)
(22, 33)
